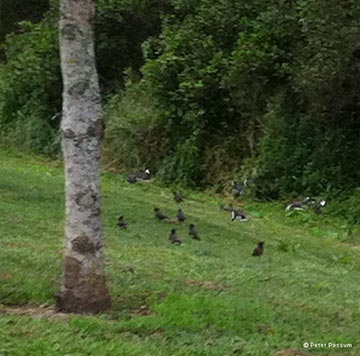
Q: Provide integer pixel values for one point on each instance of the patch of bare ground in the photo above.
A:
(142, 311)
(355, 246)
(17, 244)
(5, 276)
(37, 312)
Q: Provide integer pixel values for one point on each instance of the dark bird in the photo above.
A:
(178, 197)
(131, 178)
(299, 205)
(238, 215)
(193, 232)
(319, 206)
(238, 189)
(143, 175)
(121, 223)
(180, 216)
(174, 238)
(159, 215)
(259, 250)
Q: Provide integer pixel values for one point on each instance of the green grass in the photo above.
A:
(205, 297)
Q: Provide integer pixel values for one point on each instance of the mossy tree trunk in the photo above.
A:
(83, 287)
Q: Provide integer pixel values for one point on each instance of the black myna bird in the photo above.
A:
(178, 197)
(121, 223)
(238, 215)
(238, 189)
(159, 215)
(259, 250)
(174, 238)
(131, 178)
(193, 232)
(180, 216)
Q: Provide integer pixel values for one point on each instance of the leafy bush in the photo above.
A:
(134, 134)
(30, 88)
(30, 82)
(262, 82)
(347, 207)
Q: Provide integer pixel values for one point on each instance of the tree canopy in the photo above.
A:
(207, 91)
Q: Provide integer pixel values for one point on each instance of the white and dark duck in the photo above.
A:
(159, 215)
(174, 238)
(238, 189)
(300, 205)
(121, 223)
(238, 215)
(259, 250)
(180, 216)
(193, 232)
(143, 175)
(319, 206)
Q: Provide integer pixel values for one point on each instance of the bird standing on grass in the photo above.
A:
(193, 232)
(121, 223)
(131, 178)
(174, 238)
(259, 250)
(159, 215)
(139, 176)
(178, 197)
(180, 216)
(299, 205)
(143, 175)
(238, 215)
(238, 189)
(319, 206)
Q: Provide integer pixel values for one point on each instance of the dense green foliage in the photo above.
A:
(207, 91)
(204, 298)
(263, 90)
(14, 11)
(30, 87)
(30, 78)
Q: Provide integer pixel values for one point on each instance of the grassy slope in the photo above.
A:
(305, 288)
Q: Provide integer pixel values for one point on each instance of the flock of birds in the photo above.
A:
(240, 215)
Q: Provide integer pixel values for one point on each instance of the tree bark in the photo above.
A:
(83, 287)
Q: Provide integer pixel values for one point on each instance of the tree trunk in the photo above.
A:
(83, 288)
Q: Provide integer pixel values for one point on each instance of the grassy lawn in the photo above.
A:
(208, 297)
